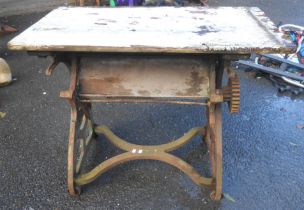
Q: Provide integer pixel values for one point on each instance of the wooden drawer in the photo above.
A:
(146, 76)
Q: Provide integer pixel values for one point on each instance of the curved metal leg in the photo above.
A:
(214, 132)
(81, 129)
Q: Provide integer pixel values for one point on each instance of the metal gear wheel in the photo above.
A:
(232, 94)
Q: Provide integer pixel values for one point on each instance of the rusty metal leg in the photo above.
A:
(215, 148)
(218, 153)
(214, 127)
(81, 135)
(210, 139)
(69, 95)
(81, 129)
(72, 64)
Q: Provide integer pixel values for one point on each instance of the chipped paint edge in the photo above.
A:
(271, 28)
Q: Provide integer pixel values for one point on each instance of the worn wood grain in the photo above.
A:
(146, 76)
(238, 30)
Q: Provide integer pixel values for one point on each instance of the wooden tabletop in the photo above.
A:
(237, 30)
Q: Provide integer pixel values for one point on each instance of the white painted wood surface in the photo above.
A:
(152, 29)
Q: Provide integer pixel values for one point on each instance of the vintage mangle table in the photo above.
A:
(149, 55)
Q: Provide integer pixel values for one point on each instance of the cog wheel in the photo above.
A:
(232, 94)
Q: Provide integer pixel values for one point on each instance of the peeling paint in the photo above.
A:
(165, 29)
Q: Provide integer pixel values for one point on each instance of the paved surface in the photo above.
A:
(263, 148)
(15, 7)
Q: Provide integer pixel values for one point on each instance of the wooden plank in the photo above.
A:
(238, 30)
(146, 76)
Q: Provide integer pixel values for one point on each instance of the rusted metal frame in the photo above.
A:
(145, 155)
(126, 146)
(134, 152)
(136, 148)
(140, 152)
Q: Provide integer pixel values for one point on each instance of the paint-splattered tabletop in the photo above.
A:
(238, 30)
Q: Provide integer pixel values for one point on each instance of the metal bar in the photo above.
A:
(150, 155)
(210, 126)
(209, 138)
(214, 128)
(142, 101)
(276, 58)
(218, 152)
(271, 70)
(126, 146)
(105, 97)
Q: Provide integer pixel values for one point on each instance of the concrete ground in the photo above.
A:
(262, 146)
(16, 7)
